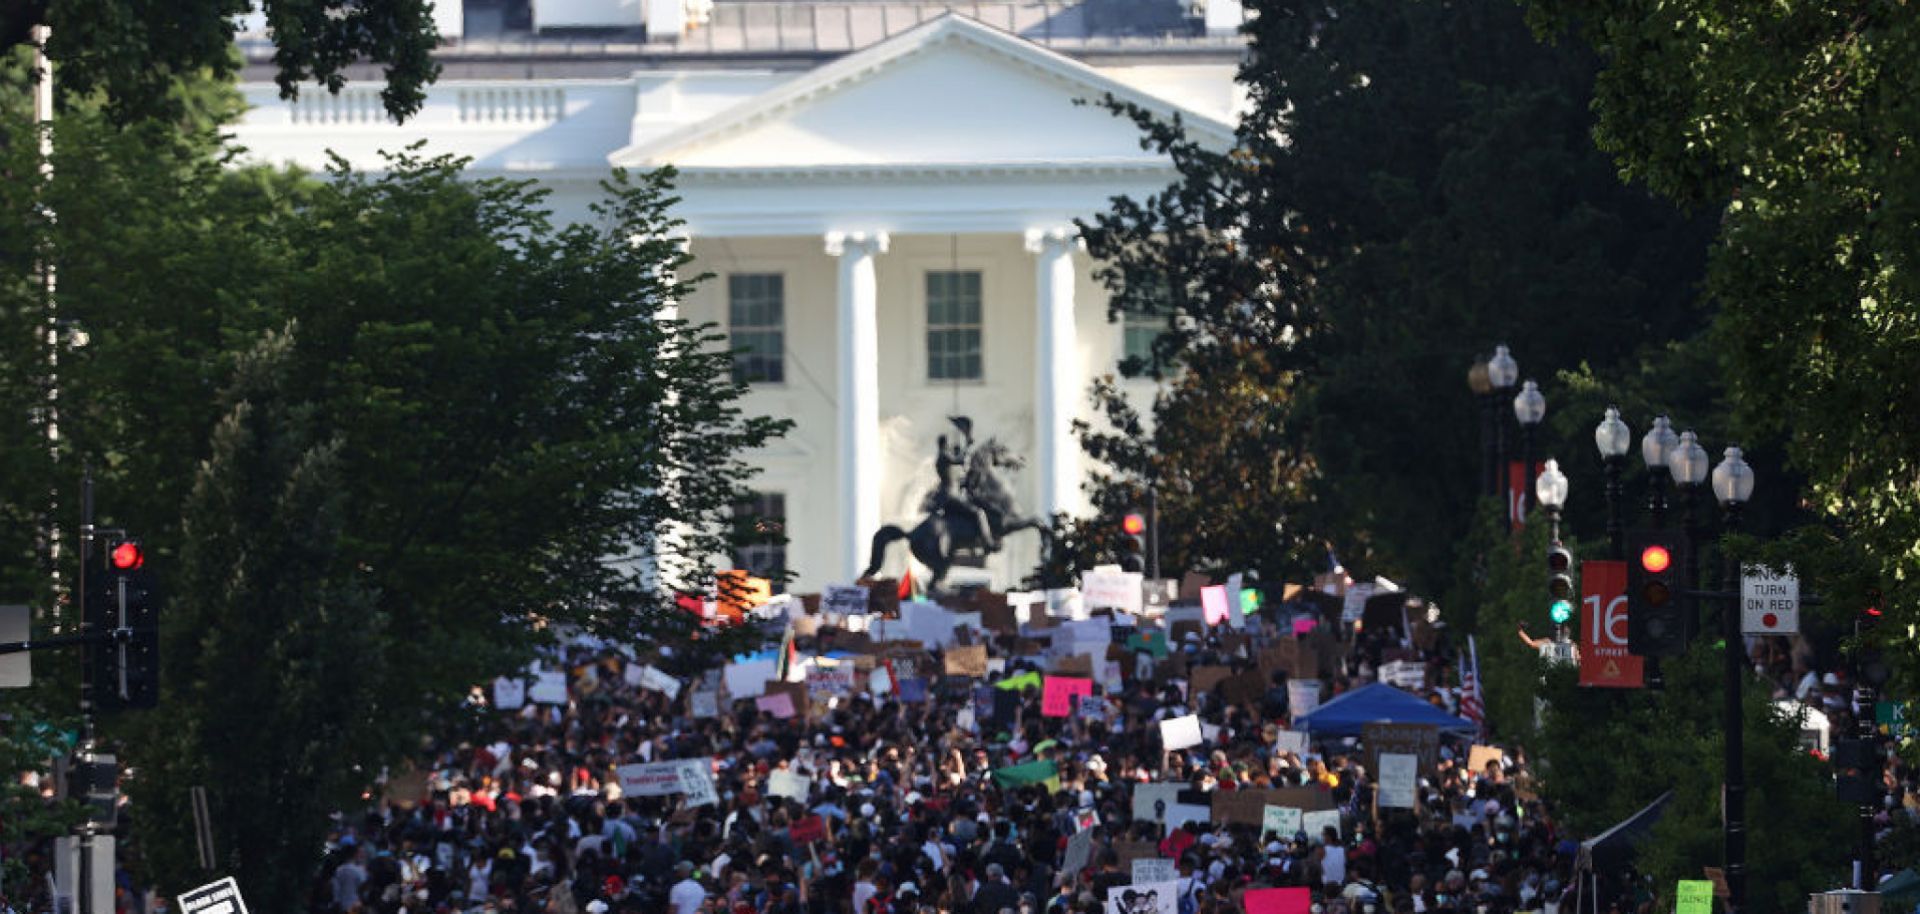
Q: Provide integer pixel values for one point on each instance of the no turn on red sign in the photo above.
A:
(1769, 601)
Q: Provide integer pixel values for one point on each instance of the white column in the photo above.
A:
(859, 395)
(1057, 370)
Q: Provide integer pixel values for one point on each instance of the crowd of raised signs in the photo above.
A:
(1073, 751)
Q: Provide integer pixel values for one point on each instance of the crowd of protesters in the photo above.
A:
(531, 817)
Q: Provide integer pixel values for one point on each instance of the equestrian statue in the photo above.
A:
(970, 511)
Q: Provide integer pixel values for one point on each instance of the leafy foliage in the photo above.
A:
(134, 53)
(1796, 121)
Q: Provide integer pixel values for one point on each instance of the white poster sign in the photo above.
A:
(1180, 732)
(1399, 780)
(509, 693)
(549, 687)
(787, 784)
(1316, 823)
(1303, 697)
(657, 680)
(1154, 869)
(1144, 898)
(1280, 820)
(1111, 589)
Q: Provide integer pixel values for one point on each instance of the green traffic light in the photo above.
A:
(1560, 611)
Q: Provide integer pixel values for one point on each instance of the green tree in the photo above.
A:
(276, 650)
(1794, 124)
(134, 53)
(1414, 182)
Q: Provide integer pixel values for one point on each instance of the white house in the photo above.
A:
(889, 227)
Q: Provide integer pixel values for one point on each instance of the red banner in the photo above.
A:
(1604, 661)
(1517, 493)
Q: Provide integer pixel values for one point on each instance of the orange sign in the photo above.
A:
(739, 592)
(1604, 661)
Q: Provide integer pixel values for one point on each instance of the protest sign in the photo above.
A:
(1293, 741)
(1129, 851)
(1154, 869)
(696, 781)
(1056, 699)
(966, 660)
(779, 704)
(1303, 696)
(1111, 589)
(808, 828)
(655, 680)
(1213, 603)
(1479, 756)
(1204, 678)
(549, 687)
(913, 691)
(1244, 688)
(1278, 901)
(1180, 732)
(650, 779)
(509, 693)
(1316, 823)
(1353, 603)
(1144, 898)
(790, 785)
(843, 601)
(1173, 805)
(1402, 674)
(1399, 780)
(1284, 821)
(706, 704)
(1248, 806)
(748, 678)
(1026, 680)
(220, 897)
(1693, 896)
(826, 682)
(1419, 740)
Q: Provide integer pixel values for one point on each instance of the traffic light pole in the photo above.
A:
(86, 752)
(1734, 795)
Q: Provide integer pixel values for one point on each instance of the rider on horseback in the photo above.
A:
(952, 497)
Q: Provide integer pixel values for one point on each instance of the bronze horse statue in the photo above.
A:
(954, 518)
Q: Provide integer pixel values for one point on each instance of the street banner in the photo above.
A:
(1517, 486)
(1604, 661)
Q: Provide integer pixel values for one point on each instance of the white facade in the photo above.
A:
(945, 163)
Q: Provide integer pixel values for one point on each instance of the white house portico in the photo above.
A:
(889, 235)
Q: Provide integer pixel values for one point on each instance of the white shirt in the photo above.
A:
(1333, 867)
(686, 896)
(863, 891)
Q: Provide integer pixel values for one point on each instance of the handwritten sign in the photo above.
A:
(778, 704)
(1284, 821)
(1316, 823)
(790, 785)
(1399, 777)
(1154, 869)
(966, 660)
(1213, 602)
(1057, 696)
(844, 601)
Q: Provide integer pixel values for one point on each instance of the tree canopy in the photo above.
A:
(135, 52)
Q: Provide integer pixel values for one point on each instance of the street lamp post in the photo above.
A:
(1551, 490)
(1503, 373)
(1613, 438)
(1687, 463)
(1529, 407)
(1482, 387)
(1655, 445)
(1732, 486)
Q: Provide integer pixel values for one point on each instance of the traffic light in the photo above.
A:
(1560, 584)
(1656, 578)
(1856, 765)
(123, 602)
(1133, 541)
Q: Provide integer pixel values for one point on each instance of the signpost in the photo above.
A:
(221, 897)
(1769, 602)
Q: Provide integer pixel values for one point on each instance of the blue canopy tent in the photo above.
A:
(1350, 713)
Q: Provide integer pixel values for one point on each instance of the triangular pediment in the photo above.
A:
(952, 92)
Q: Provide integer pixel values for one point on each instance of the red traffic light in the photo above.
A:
(1134, 524)
(1656, 559)
(127, 556)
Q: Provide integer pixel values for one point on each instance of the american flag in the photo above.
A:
(1472, 704)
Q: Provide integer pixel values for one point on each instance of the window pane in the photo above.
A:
(762, 518)
(756, 322)
(953, 325)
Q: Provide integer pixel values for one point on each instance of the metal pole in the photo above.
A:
(1864, 696)
(1526, 482)
(86, 751)
(1489, 474)
(1734, 792)
(1501, 483)
(1153, 534)
(1616, 532)
(1657, 495)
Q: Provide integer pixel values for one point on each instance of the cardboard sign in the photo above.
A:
(1294, 741)
(1144, 898)
(1130, 851)
(1213, 603)
(1057, 697)
(656, 681)
(1399, 781)
(1316, 822)
(1111, 589)
(790, 785)
(1303, 697)
(1249, 806)
(1419, 740)
(844, 601)
(549, 687)
(883, 596)
(509, 694)
(1154, 869)
(1278, 901)
(1479, 756)
(1281, 820)
(1204, 678)
(966, 660)
(779, 704)
(1180, 732)
(1244, 688)
(808, 829)
(705, 705)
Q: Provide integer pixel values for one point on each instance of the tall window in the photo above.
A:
(756, 320)
(1140, 330)
(953, 325)
(762, 517)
